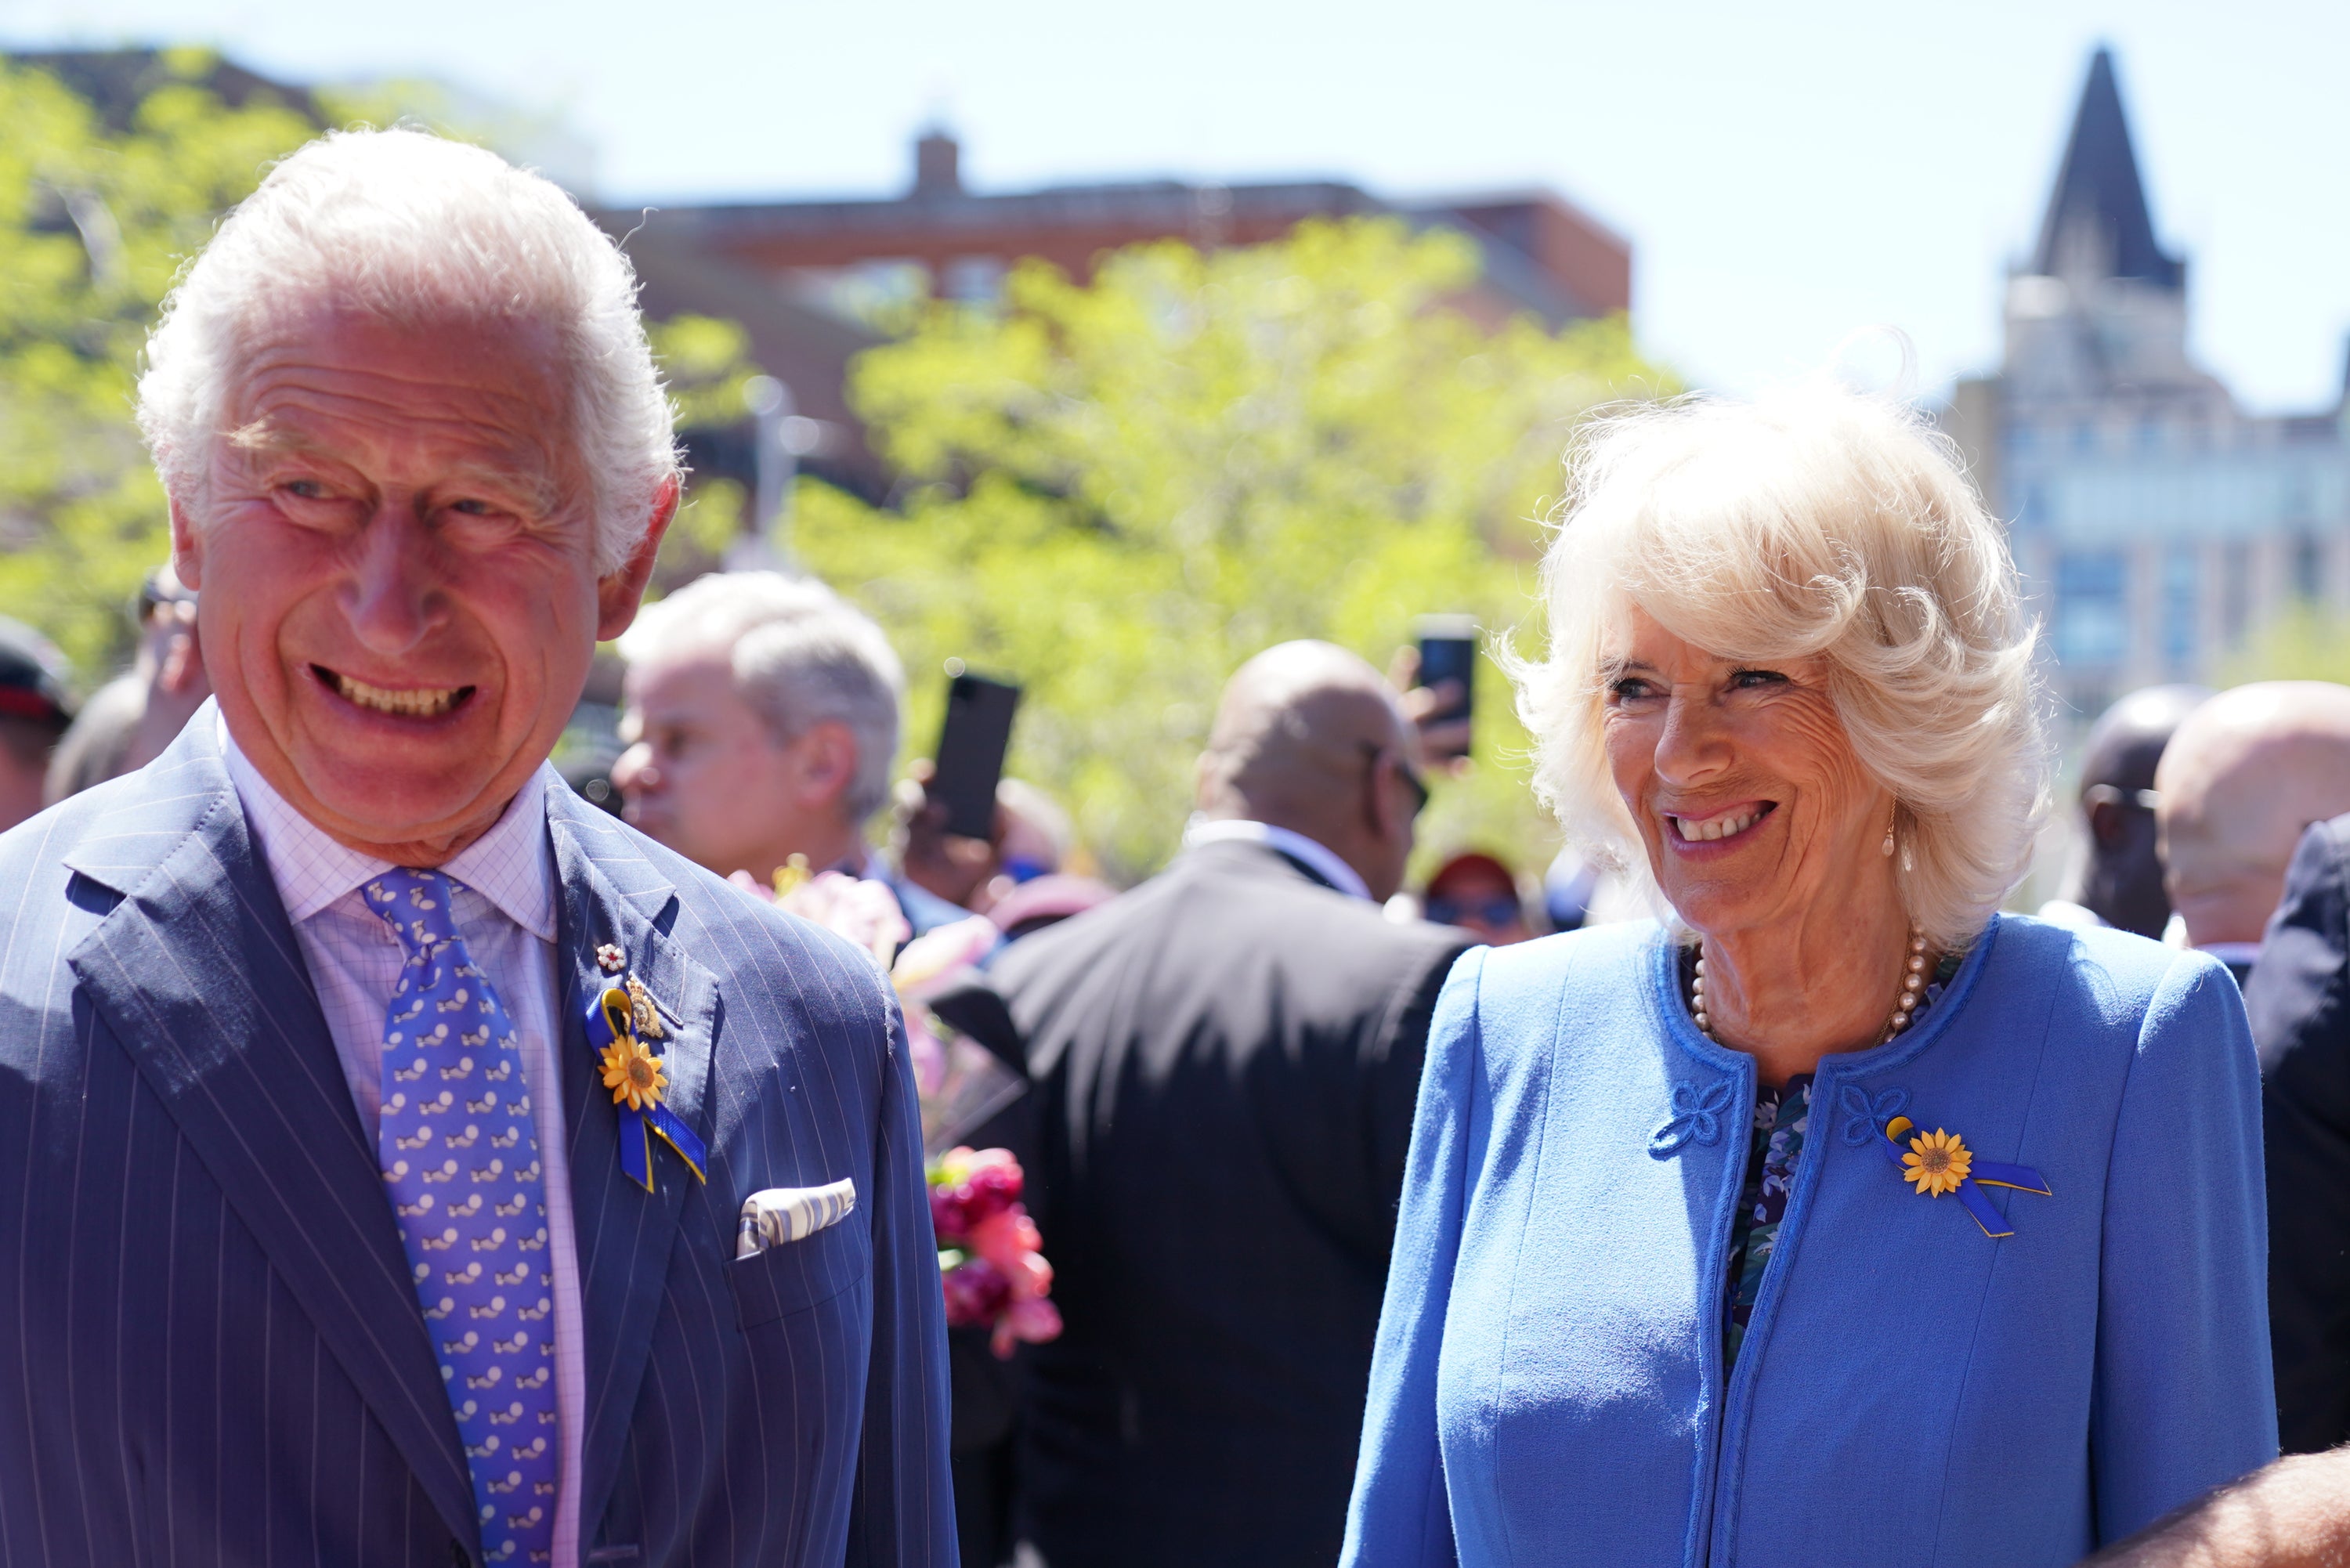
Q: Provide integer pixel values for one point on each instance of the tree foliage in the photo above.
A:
(95, 224)
(1117, 492)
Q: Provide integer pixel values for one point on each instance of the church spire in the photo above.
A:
(2097, 214)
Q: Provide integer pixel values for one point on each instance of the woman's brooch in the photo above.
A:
(622, 1025)
(1938, 1162)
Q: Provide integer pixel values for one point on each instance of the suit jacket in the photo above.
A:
(214, 1353)
(1223, 1063)
(2299, 999)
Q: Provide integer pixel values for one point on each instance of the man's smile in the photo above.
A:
(408, 702)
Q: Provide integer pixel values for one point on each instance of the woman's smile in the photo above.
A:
(1693, 834)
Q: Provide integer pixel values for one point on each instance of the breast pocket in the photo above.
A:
(795, 1276)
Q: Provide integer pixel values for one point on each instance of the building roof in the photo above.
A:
(1542, 253)
(2099, 196)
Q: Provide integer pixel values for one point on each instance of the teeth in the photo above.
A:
(413, 703)
(1715, 827)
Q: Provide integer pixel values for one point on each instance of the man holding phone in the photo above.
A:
(763, 722)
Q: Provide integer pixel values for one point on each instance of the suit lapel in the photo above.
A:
(610, 893)
(197, 975)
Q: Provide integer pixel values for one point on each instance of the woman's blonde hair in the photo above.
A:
(1814, 520)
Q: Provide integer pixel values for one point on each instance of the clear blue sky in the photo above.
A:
(1786, 174)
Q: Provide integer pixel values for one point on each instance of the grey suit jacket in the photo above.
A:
(210, 1350)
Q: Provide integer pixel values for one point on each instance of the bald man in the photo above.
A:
(2242, 778)
(2117, 877)
(2299, 999)
(1224, 1061)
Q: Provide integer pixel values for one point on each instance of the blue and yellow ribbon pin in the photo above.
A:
(1938, 1162)
(633, 1072)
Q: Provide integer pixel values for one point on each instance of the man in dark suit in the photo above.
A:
(2299, 999)
(407, 1163)
(1224, 1063)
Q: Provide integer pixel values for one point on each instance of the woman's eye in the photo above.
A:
(1750, 680)
(1631, 689)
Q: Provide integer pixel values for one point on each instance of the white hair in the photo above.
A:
(1815, 521)
(800, 655)
(414, 229)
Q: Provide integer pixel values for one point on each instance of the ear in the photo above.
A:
(187, 547)
(2106, 824)
(619, 595)
(1381, 812)
(825, 761)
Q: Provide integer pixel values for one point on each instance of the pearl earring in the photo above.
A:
(1886, 848)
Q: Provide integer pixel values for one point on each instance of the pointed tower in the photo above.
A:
(2099, 313)
(2097, 224)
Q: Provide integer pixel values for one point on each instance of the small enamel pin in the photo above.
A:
(622, 1024)
(610, 959)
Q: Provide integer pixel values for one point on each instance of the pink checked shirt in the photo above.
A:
(506, 913)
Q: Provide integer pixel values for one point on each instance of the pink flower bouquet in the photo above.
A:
(990, 1256)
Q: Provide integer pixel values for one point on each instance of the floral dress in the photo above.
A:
(1782, 1116)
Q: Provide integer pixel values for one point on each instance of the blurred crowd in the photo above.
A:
(762, 718)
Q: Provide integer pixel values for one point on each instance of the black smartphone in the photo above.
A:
(1448, 651)
(970, 761)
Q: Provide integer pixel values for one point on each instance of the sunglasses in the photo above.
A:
(1404, 771)
(1495, 911)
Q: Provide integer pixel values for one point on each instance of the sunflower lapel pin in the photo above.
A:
(624, 1028)
(1940, 1162)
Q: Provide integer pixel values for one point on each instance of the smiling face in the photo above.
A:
(1751, 804)
(395, 553)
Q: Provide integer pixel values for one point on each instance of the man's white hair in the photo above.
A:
(1815, 521)
(415, 229)
(802, 656)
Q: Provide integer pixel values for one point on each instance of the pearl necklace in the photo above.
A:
(1913, 988)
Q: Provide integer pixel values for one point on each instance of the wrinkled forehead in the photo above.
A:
(483, 396)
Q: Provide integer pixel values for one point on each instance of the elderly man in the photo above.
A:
(2118, 880)
(407, 1163)
(763, 713)
(1224, 1061)
(2244, 775)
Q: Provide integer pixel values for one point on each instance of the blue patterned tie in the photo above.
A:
(460, 1158)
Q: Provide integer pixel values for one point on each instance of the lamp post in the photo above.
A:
(770, 402)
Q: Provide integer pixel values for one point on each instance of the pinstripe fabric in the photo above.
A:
(209, 1353)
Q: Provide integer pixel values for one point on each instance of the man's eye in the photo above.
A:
(304, 489)
(473, 508)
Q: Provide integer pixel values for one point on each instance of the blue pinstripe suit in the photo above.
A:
(210, 1352)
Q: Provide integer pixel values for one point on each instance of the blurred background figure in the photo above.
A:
(762, 721)
(1477, 893)
(36, 707)
(2245, 773)
(2116, 878)
(1033, 838)
(1223, 1062)
(127, 721)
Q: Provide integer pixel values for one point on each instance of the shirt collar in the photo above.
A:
(1296, 846)
(510, 866)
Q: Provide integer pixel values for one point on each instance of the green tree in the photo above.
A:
(1118, 491)
(95, 222)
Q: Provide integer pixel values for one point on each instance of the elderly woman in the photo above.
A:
(1839, 1219)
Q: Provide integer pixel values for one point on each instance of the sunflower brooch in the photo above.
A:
(1939, 1163)
(633, 1074)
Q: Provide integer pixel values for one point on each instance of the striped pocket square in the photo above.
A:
(782, 1214)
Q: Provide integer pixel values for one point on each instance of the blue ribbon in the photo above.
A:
(609, 1020)
(1980, 1173)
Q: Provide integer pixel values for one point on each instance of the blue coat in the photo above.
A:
(1548, 1384)
(211, 1353)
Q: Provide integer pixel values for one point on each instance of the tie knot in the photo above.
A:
(417, 905)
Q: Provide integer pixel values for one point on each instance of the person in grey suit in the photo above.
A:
(1224, 1061)
(407, 1163)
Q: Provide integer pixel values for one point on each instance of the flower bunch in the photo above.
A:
(990, 1256)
